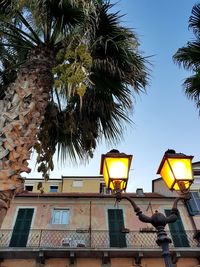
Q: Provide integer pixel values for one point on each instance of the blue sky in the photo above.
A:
(163, 117)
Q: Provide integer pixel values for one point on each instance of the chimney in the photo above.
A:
(139, 192)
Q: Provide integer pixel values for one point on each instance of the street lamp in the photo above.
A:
(176, 171)
(115, 168)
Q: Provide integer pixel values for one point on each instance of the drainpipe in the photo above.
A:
(90, 226)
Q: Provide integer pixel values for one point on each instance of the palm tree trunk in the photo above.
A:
(22, 112)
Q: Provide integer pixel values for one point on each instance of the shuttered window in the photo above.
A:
(193, 204)
(178, 234)
(116, 224)
(22, 227)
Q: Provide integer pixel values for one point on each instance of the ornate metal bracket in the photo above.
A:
(159, 221)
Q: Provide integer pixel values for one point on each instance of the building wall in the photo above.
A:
(196, 170)
(44, 185)
(196, 220)
(18, 263)
(160, 187)
(86, 211)
(67, 184)
(84, 262)
(82, 185)
(91, 213)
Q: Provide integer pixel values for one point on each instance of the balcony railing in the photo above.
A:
(94, 239)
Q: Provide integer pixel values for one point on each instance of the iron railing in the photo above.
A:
(96, 239)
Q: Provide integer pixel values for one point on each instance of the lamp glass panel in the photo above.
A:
(118, 167)
(182, 173)
(105, 174)
(167, 175)
(181, 168)
(183, 186)
(122, 183)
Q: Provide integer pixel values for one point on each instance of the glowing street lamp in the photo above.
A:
(115, 168)
(176, 170)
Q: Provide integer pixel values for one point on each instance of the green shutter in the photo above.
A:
(116, 224)
(193, 204)
(177, 231)
(22, 227)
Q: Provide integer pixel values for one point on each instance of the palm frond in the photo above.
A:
(192, 88)
(111, 39)
(194, 20)
(107, 64)
(189, 56)
(55, 17)
(33, 35)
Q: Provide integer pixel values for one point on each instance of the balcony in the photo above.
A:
(85, 243)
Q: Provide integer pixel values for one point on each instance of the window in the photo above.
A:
(193, 203)
(116, 224)
(53, 188)
(29, 187)
(60, 216)
(178, 234)
(22, 227)
(104, 190)
(77, 183)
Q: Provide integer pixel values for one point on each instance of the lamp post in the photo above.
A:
(176, 171)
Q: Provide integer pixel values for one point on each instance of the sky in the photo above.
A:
(164, 118)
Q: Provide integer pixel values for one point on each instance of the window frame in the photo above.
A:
(77, 183)
(29, 185)
(60, 220)
(55, 186)
(104, 190)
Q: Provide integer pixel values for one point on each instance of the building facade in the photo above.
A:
(75, 221)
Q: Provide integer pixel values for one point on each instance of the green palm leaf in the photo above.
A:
(93, 55)
(189, 57)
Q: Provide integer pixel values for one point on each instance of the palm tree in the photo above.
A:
(189, 58)
(67, 67)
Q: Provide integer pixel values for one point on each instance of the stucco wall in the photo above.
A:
(84, 212)
(84, 262)
(18, 263)
(197, 221)
(88, 185)
(160, 187)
